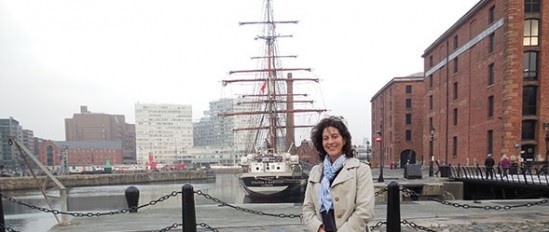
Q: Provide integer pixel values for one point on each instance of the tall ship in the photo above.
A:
(273, 110)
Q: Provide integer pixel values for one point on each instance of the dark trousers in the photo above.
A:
(490, 172)
(328, 221)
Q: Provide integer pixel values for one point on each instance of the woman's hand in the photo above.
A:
(321, 229)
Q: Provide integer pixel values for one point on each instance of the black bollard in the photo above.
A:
(393, 207)
(132, 198)
(188, 214)
(2, 221)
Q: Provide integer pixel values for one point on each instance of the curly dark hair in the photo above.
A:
(336, 122)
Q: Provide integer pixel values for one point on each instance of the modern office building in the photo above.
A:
(163, 132)
(216, 138)
(89, 126)
(9, 155)
(214, 130)
(486, 85)
(397, 122)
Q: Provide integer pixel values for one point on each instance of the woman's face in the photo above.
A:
(332, 142)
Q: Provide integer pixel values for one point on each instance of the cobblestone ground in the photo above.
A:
(498, 225)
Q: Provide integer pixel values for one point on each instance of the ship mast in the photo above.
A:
(271, 93)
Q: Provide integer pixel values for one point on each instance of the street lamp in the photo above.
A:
(431, 152)
(368, 152)
(546, 127)
(380, 140)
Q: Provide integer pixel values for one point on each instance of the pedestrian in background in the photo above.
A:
(489, 164)
(505, 164)
(340, 190)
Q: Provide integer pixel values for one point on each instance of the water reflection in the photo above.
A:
(111, 198)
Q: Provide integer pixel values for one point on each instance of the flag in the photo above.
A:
(263, 87)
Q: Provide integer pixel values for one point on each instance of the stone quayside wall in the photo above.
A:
(28, 182)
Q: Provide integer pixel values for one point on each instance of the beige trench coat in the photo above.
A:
(352, 194)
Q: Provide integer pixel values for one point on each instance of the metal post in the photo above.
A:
(381, 158)
(546, 126)
(393, 207)
(431, 151)
(188, 214)
(132, 198)
(2, 221)
(431, 171)
(64, 207)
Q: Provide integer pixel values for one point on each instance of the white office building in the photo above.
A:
(220, 133)
(163, 131)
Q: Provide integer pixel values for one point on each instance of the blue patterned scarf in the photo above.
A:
(324, 195)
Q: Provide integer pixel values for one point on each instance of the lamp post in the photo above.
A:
(368, 152)
(546, 127)
(380, 140)
(431, 152)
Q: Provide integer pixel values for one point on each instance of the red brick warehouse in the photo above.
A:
(485, 88)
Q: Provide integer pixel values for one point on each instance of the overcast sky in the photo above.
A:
(56, 55)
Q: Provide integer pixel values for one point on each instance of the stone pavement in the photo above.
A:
(417, 215)
(431, 215)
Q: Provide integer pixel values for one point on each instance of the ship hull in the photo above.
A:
(267, 186)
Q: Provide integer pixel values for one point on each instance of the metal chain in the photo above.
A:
(223, 203)
(416, 226)
(378, 225)
(89, 214)
(381, 191)
(9, 229)
(404, 222)
(204, 225)
(410, 192)
(489, 207)
(173, 226)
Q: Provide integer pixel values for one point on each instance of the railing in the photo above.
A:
(188, 217)
(533, 175)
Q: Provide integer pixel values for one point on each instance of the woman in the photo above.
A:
(340, 190)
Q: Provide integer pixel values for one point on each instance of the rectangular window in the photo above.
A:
(408, 119)
(531, 32)
(491, 74)
(490, 142)
(455, 91)
(491, 106)
(408, 135)
(528, 129)
(529, 100)
(408, 103)
(408, 89)
(531, 6)
(454, 146)
(431, 102)
(430, 81)
(492, 43)
(456, 66)
(456, 43)
(492, 14)
(530, 66)
(430, 61)
(431, 123)
(455, 116)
